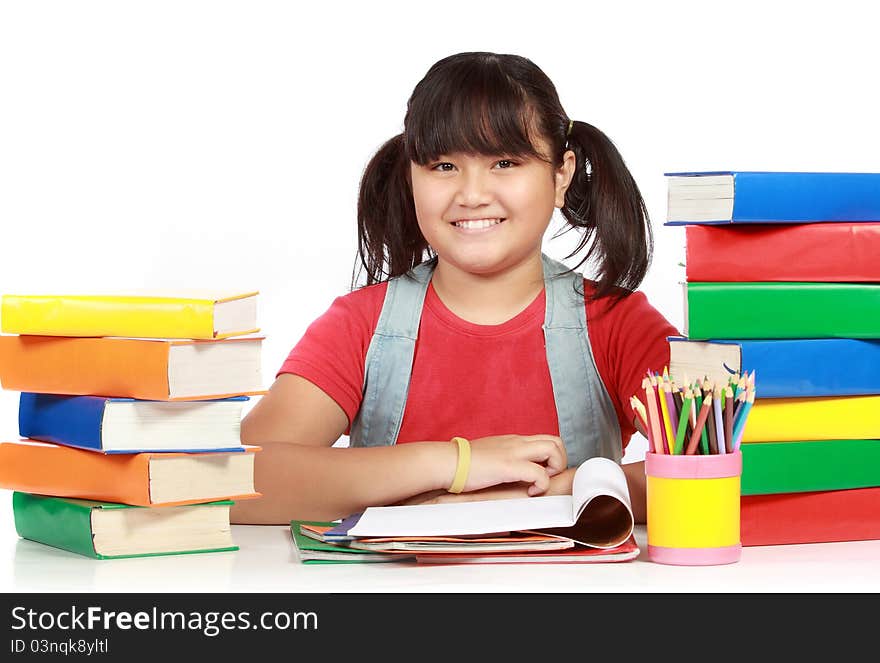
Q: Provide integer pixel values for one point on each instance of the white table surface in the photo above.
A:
(267, 562)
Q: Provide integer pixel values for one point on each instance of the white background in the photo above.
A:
(220, 144)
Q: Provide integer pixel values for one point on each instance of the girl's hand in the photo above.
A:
(502, 459)
(502, 492)
(559, 485)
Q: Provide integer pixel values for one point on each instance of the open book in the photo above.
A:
(598, 513)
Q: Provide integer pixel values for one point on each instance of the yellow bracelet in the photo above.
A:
(464, 465)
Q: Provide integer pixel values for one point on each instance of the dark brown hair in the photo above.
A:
(486, 103)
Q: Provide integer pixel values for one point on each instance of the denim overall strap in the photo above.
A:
(389, 360)
(587, 420)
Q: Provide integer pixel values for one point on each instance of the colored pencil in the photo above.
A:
(700, 417)
(653, 417)
(741, 424)
(677, 399)
(641, 419)
(740, 389)
(713, 422)
(659, 397)
(667, 426)
(698, 403)
(736, 383)
(701, 424)
(728, 421)
(704, 436)
(670, 398)
(679, 402)
(719, 421)
(686, 405)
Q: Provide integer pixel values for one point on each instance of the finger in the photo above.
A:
(561, 463)
(537, 476)
(563, 454)
(549, 452)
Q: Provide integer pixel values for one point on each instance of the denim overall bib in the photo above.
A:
(587, 420)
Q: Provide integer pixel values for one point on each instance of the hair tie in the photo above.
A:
(570, 123)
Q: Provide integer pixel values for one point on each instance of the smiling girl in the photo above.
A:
(470, 365)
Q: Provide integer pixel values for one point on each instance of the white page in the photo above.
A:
(466, 517)
(599, 476)
(596, 476)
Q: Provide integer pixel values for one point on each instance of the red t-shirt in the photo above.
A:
(480, 380)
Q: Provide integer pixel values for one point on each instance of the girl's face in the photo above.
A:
(485, 214)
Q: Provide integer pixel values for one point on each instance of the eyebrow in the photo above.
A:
(499, 155)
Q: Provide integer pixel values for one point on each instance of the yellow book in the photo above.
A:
(142, 316)
(834, 418)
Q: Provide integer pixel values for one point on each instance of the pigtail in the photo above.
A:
(604, 201)
(389, 240)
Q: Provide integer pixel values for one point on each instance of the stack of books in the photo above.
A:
(593, 524)
(130, 414)
(783, 279)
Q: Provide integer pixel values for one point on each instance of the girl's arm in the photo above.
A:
(635, 481)
(302, 476)
(561, 484)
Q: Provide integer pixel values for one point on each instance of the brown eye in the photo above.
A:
(439, 167)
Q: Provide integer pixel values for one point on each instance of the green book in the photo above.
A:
(806, 466)
(750, 310)
(312, 551)
(105, 530)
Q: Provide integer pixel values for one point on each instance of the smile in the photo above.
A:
(478, 225)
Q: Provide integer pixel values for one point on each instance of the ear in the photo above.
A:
(563, 177)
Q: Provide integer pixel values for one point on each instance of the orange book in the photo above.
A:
(147, 369)
(144, 479)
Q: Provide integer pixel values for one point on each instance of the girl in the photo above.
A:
(488, 370)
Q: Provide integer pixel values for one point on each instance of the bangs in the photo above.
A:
(474, 109)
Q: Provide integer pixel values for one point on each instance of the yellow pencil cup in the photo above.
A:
(693, 508)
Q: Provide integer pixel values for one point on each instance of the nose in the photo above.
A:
(474, 188)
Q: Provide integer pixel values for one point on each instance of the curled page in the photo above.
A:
(598, 514)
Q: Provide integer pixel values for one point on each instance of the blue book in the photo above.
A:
(771, 197)
(127, 425)
(796, 368)
(339, 533)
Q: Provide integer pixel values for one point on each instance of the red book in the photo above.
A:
(824, 252)
(817, 517)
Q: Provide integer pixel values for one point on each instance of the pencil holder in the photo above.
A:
(693, 508)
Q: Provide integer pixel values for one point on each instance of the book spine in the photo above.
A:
(55, 522)
(69, 420)
(826, 252)
(764, 310)
(84, 366)
(67, 472)
(803, 197)
(813, 367)
(817, 517)
(806, 466)
(794, 419)
(145, 317)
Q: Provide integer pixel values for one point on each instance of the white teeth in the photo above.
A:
(477, 223)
